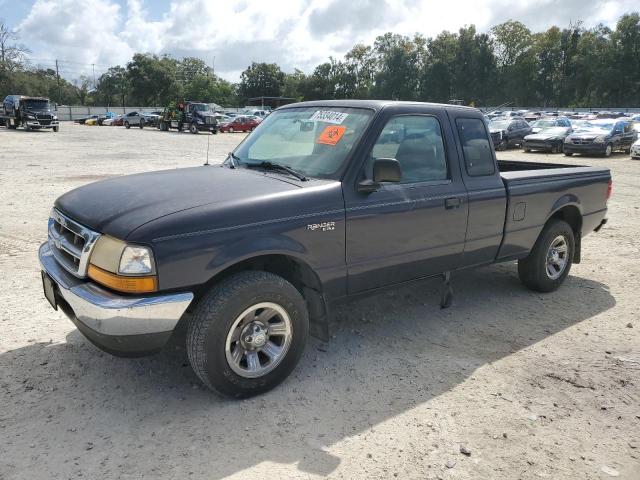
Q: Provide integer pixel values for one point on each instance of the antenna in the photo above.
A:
(206, 164)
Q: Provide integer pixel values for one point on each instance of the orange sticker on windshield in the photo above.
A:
(331, 134)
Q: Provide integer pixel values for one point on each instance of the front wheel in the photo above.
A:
(193, 128)
(568, 154)
(607, 150)
(141, 124)
(247, 334)
(126, 125)
(550, 260)
(56, 129)
(230, 130)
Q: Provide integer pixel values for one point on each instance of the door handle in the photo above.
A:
(453, 202)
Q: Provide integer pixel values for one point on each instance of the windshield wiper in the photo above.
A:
(277, 166)
(232, 159)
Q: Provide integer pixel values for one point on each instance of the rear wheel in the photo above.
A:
(247, 334)
(231, 130)
(550, 260)
(126, 125)
(141, 124)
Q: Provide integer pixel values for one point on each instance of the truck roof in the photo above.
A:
(373, 104)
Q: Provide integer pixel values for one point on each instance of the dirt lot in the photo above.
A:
(534, 386)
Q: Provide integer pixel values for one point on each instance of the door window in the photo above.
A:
(415, 141)
(478, 158)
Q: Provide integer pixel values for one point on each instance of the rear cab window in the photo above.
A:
(478, 156)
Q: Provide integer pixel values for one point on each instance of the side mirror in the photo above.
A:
(384, 170)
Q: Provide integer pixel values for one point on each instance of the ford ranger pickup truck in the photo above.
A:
(324, 201)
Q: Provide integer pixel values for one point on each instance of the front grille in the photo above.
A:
(209, 120)
(536, 143)
(71, 243)
(44, 117)
(581, 141)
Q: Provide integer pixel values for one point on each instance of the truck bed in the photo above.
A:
(535, 189)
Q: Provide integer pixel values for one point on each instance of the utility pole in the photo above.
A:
(58, 80)
(93, 66)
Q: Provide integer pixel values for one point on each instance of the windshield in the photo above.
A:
(314, 141)
(37, 104)
(201, 107)
(555, 131)
(543, 123)
(606, 126)
(500, 124)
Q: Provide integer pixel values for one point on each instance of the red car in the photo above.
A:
(239, 124)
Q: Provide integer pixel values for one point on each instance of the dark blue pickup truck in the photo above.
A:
(323, 201)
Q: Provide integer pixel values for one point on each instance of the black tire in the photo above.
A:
(502, 146)
(230, 130)
(215, 315)
(532, 270)
(141, 124)
(193, 128)
(568, 154)
(127, 125)
(56, 129)
(608, 150)
(527, 150)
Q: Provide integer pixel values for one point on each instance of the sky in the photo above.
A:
(91, 35)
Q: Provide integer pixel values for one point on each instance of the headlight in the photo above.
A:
(136, 261)
(55, 117)
(122, 267)
(599, 139)
(31, 117)
(567, 140)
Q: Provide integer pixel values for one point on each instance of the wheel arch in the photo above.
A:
(568, 209)
(293, 269)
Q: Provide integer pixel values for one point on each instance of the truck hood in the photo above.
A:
(118, 206)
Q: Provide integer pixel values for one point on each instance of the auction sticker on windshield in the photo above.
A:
(331, 134)
(329, 116)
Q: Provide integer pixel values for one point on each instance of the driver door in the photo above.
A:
(415, 228)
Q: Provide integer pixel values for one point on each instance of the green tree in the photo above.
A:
(153, 79)
(261, 80)
(398, 66)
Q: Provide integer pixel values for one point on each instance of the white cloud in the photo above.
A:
(291, 33)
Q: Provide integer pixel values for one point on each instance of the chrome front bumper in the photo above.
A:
(37, 124)
(109, 319)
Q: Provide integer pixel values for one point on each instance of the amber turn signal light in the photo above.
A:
(121, 283)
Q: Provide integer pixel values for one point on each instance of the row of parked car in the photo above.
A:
(225, 121)
(556, 134)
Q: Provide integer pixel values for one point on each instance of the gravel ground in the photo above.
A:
(527, 385)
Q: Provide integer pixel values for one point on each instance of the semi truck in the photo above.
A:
(30, 113)
(193, 116)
